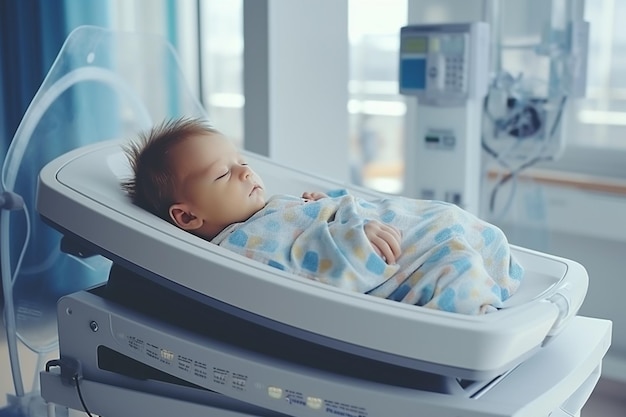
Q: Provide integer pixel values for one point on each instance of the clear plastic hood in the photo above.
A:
(103, 85)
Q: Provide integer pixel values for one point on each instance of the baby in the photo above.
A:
(427, 253)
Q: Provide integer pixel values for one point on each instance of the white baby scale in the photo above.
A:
(182, 326)
(180, 312)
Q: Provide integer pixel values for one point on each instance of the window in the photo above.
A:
(600, 118)
(594, 128)
(221, 31)
(376, 108)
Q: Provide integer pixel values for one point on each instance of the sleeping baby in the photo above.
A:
(427, 253)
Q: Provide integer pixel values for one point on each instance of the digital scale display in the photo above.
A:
(415, 45)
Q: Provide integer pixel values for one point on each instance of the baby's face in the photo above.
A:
(215, 181)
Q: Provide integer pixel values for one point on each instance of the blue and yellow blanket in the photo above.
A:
(451, 260)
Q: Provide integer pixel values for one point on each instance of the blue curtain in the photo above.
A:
(31, 34)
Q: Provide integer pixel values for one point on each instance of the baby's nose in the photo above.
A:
(245, 171)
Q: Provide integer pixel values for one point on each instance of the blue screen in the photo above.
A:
(413, 73)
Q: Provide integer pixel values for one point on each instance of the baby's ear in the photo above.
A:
(184, 218)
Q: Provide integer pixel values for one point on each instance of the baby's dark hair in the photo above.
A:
(151, 186)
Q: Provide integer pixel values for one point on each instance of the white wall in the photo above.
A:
(296, 83)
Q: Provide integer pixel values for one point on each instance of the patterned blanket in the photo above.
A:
(451, 260)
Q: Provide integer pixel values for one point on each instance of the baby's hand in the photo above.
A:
(313, 196)
(385, 239)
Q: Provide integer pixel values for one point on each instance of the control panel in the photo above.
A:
(444, 63)
(446, 67)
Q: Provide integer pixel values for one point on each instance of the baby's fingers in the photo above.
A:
(393, 238)
(382, 248)
(315, 195)
(385, 239)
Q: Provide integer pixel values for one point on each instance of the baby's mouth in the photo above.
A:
(255, 188)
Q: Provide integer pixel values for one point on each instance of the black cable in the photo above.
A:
(70, 371)
(80, 396)
(51, 363)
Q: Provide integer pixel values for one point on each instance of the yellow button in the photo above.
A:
(314, 402)
(275, 392)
